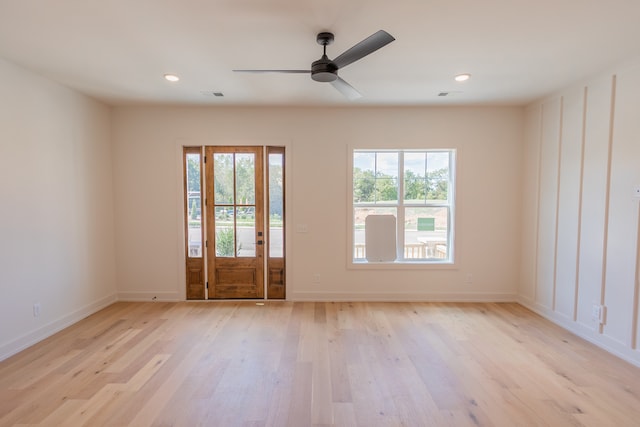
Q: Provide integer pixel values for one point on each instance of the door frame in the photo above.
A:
(286, 152)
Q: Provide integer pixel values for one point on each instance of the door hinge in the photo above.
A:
(206, 243)
(205, 159)
(207, 285)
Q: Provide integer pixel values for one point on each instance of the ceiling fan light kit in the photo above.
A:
(326, 70)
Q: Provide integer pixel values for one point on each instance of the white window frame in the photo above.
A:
(400, 206)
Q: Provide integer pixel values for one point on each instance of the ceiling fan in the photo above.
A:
(326, 70)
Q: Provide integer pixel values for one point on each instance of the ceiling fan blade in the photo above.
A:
(274, 71)
(364, 48)
(346, 89)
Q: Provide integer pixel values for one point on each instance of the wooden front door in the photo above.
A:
(235, 222)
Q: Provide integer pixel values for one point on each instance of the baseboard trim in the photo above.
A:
(149, 296)
(606, 343)
(44, 332)
(403, 297)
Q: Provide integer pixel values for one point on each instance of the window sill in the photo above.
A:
(402, 265)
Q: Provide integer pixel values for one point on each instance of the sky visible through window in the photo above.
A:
(388, 162)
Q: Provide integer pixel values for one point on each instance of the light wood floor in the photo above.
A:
(317, 364)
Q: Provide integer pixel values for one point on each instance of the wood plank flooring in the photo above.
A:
(317, 364)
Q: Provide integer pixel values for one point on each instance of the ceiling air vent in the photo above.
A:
(212, 93)
(450, 93)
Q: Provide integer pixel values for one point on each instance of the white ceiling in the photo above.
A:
(516, 50)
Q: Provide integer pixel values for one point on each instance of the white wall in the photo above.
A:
(56, 207)
(582, 166)
(148, 190)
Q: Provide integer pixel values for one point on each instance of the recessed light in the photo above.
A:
(171, 77)
(462, 77)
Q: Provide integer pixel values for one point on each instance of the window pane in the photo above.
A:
(386, 177)
(415, 190)
(387, 165)
(364, 177)
(364, 185)
(438, 175)
(246, 231)
(245, 179)
(386, 190)
(415, 165)
(276, 206)
(194, 206)
(426, 232)
(415, 181)
(223, 178)
(364, 161)
(359, 217)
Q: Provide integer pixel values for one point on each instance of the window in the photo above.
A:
(193, 206)
(414, 186)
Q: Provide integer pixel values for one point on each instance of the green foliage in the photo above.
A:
(275, 190)
(193, 174)
(368, 188)
(438, 184)
(245, 179)
(194, 209)
(364, 186)
(223, 177)
(225, 242)
(225, 168)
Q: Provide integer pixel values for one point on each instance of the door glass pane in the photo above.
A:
(245, 179)
(359, 217)
(246, 231)
(223, 178)
(276, 206)
(425, 232)
(194, 206)
(225, 239)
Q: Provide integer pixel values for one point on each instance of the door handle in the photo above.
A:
(259, 242)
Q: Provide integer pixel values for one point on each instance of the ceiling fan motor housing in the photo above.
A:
(324, 70)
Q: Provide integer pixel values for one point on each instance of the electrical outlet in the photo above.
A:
(36, 309)
(469, 278)
(636, 192)
(598, 313)
(316, 278)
